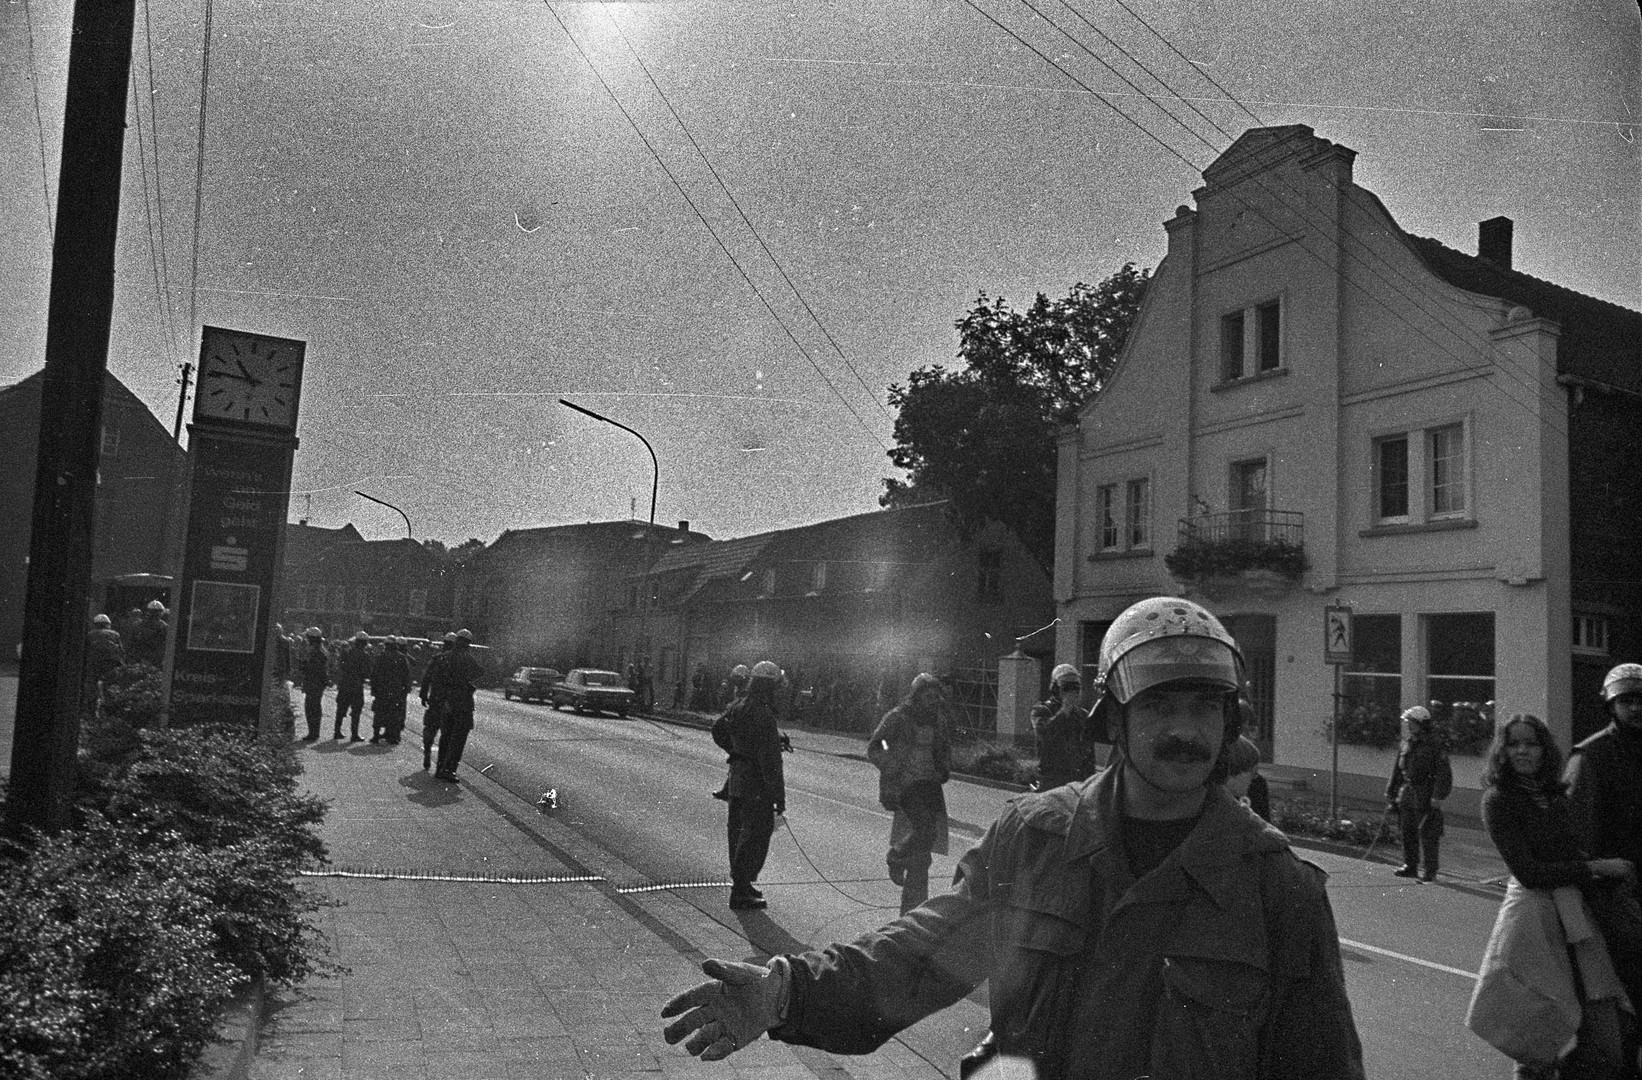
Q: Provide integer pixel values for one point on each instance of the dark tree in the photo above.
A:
(983, 436)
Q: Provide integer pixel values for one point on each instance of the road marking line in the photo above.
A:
(1432, 964)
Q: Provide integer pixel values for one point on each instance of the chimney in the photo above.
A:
(684, 526)
(1494, 241)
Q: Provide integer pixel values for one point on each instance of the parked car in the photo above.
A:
(531, 684)
(592, 690)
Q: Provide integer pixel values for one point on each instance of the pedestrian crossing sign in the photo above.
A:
(1337, 645)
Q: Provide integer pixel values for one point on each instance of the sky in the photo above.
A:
(731, 225)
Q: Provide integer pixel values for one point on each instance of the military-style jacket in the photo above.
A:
(1066, 751)
(316, 671)
(452, 678)
(1223, 963)
(353, 667)
(755, 752)
(1422, 773)
(1604, 777)
(892, 744)
(390, 674)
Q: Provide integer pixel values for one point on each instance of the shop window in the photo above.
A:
(1372, 684)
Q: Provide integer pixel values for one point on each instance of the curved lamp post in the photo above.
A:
(390, 506)
(655, 468)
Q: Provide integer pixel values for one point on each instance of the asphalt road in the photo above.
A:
(641, 789)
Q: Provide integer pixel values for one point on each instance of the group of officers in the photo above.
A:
(445, 688)
(1141, 921)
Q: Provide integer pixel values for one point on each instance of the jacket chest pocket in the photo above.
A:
(1035, 977)
(1209, 1017)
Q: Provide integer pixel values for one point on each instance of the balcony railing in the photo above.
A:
(1257, 526)
(1263, 549)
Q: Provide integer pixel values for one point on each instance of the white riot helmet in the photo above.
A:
(1624, 679)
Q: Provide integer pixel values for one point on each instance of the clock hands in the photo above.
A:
(245, 372)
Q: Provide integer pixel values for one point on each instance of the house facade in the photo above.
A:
(548, 596)
(141, 476)
(1317, 409)
(850, 608)
(337, 580)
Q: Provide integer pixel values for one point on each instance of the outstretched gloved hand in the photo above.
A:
(715, 1019)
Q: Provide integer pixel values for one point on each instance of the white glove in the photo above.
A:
(715, 1019)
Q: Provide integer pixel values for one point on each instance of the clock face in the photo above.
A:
(248, 378)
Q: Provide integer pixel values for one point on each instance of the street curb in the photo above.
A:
(238, 1032)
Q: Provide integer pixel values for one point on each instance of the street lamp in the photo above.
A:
(392, 507)
(649, 535)
(655, 469)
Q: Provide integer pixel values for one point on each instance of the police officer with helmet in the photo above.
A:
(756, 789)
(1139, 923)
(1066, 750)
(1604, 777)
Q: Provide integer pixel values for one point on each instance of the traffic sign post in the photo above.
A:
(1337, 650)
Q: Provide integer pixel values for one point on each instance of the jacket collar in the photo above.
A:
(1089, 815)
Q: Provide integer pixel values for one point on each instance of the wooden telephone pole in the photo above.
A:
(47, 734)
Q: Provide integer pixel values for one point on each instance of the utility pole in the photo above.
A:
(47, 733)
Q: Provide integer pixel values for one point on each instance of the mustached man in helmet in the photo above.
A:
(756, 789)
(1066, 744)
(1140, 923)
(1604, 777)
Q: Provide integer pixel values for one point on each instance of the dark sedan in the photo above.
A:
(531, 684)
(591, 690)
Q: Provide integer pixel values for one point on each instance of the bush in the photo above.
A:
(107, 968)
(1368, 725)
(134, 694)
(979, 757)
(177, 882)
(1297, 817)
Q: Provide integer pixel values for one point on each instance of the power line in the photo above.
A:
(39, 127)
(199, 174)
(166, 330)
(1299, 241)
(159, 180)
(702, 217)
(782, 270)
(1302, 209)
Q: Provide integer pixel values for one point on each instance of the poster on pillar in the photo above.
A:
(236, 514)
(240, 446)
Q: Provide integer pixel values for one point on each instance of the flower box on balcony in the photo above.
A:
(1261, 564)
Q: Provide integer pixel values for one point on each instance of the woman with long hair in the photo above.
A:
(1525, 808)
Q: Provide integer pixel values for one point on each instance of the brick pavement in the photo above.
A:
(491, 979)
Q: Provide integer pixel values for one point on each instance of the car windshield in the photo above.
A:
(601, 678)
(538, 673)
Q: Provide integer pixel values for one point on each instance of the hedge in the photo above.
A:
(177, 882)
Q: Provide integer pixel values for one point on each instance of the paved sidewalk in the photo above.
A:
(477, 950)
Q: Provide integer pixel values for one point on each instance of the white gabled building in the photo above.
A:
(1306, 381)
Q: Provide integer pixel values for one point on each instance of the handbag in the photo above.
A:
(1618, 914)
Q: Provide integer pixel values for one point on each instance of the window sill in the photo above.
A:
(1443, 525)
(1244, 380)
(1130, 553)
